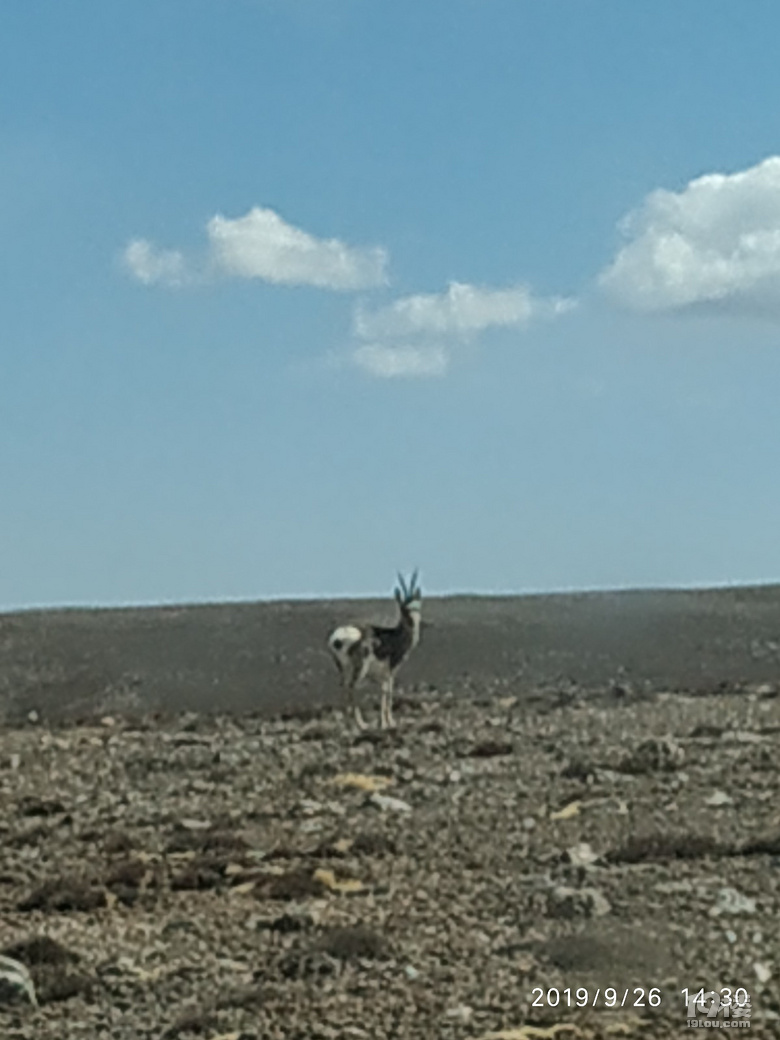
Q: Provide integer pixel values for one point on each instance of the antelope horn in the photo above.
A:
(402, 583)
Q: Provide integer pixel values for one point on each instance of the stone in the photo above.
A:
(565, 902)
(763, 972)
(719, 798)
(730, 901)
(16, 983)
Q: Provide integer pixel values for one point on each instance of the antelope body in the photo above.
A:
(377, 652)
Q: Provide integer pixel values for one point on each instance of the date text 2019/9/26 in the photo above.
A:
(609, 997)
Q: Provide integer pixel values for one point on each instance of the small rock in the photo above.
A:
(343, 885)
(565, 902)
(731, 937)
(33, 716)
(673, 887)
(311, 826)
(310, 807)
(15, 982)
(567, 812)
(580, 855)
(386, 802)
(462, 1013)
(195, 825)
(763, 971)
(361, 781)
(411, 973)
(719, 798)
(656, 754)
(746, 736)
(730, 901)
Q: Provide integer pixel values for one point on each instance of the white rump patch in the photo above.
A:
(342, 640)
(346, 634)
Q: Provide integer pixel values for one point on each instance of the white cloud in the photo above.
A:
(391, 362)
(414, 336)
(262, 245)
(462, 311)
(417, 335)
(150, 265)
(715, 242)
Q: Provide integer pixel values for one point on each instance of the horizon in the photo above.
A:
(378, 597)
(295, 291)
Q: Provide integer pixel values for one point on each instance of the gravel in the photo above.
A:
(243, 877)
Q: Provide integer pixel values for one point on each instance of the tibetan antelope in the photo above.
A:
(371, 651)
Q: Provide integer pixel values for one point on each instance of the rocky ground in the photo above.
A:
(500, 852)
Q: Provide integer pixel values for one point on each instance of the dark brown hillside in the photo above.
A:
(270, 656)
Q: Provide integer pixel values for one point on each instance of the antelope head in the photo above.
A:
(409, 597)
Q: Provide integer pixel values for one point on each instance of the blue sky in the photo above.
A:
(295, 293)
